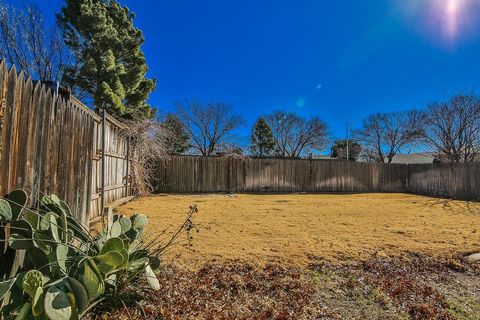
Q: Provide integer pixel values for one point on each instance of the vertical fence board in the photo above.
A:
(49, 144)
(194, 174)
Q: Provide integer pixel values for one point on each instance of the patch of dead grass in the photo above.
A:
(300, 228)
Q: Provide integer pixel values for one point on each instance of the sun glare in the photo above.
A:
(453, 12)
(451, 17)
(448, 21)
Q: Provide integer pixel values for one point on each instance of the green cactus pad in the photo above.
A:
(125, 256)
(65, 208)
(18, 200)
(132, 234)
(46, 201)
(154, 262)
(61, 253)
(90, 278)
(42, 241)
(112, 244)
(55, 199)
(18, 242)
(37, 257)
(139, 221)
(32, 217)
(125, 223)
(54, 228)
(116, 230)
(78, 229)
(139, 253)
(32, 280)
(80, 293)
(25, 312)
(57, 305)
(22, 227)
(45, 221)
(137, 264)
(5, 211)
(38, 302)
(133, 246)
(110, 262)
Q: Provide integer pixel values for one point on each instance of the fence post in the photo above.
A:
(245, 174)
(102, 203)
(310, 181)
(407, 182)
(127, 178)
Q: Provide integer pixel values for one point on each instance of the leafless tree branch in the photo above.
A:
(453, 129)
(296, 135)
(209, 125)
(26, 42)
(384, 135)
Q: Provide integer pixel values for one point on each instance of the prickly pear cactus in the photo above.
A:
(66, 268)
(57, 304)
(32, 280)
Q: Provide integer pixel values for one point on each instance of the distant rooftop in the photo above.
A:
(413, 158)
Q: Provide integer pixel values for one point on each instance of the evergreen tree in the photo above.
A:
(110, 66)
(339, 150)
(263, 141)
(176, 137)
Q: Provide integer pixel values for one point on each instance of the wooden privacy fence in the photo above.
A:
(52, 144)
(455, 180)
(191, 174)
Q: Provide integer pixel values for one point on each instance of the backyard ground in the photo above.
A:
(302, 256)
(300, 229)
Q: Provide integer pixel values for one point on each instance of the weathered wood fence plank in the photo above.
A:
(191, 174)
(50, 144)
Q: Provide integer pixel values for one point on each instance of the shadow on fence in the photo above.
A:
(192, 174)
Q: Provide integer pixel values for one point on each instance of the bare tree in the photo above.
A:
(453, 129)
(144, 137)
(295, 135)
(386, 134)
(27, 43)
(209, 125)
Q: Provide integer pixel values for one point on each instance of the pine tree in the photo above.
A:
(176, 137)
(339, 150)
(263, 141)
(110, 66)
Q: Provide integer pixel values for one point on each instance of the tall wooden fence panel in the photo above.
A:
(456, 180)
(191, 174)
(49, 144)
(116, 168)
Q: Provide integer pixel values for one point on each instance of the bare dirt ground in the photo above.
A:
(363, 256)
(300, 229)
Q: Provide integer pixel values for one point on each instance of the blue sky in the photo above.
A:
(340, 60)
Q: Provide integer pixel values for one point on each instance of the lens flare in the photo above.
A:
(448, 21)
(454, 10)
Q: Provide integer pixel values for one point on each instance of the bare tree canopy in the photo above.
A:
(453, 129)
(146, 137)
(295, 135)
(384, 135)
(210, 125)
(27, 43)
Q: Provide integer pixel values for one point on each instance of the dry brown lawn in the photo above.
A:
(302, 228)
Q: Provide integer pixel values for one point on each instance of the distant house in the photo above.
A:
(322, 157)
(414, 158)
